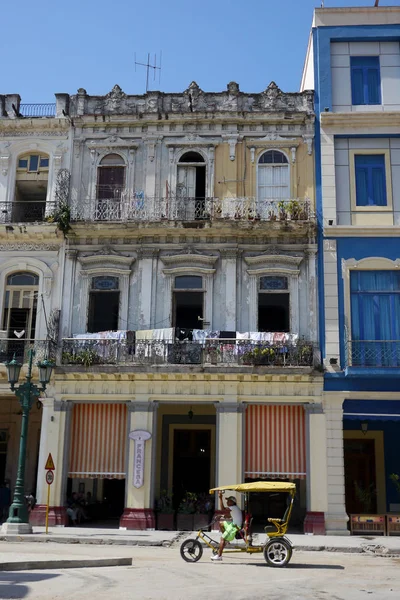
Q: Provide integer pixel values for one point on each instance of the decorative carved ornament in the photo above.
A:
(189, 263)
(104, 260)
(273, 263)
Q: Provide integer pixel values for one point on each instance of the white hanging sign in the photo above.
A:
(139, 436)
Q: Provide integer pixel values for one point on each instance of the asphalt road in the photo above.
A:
(160, 573)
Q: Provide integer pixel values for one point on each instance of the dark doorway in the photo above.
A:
(103, 311)
(273, 312)
(192, 462)
(114, 497)
(19, 322)
(188, 310)
(360, 476)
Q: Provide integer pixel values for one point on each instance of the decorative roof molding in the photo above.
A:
(112, 142)
(191, 140)
(375, 263)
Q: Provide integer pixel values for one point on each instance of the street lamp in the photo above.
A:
(27, 393)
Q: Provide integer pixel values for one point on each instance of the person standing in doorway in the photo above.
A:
(231, 525)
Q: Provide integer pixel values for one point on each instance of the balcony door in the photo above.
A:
(273, 182)
(20, 308)
(191, 187)
(110, 187)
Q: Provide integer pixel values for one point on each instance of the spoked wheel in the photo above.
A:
(277, 552)
(191, 550)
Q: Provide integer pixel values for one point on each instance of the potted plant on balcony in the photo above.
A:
(204, 508)
(185, 514)
(283, 210)
(165, 512)
(259, 356)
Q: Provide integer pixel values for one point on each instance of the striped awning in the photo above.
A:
(98, 441)
(275, 442)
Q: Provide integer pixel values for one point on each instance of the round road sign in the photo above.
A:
(49, 477)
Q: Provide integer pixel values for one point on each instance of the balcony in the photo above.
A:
(10, 347)
(113, 205)
(29, 211)
(210, 353)
(373, 354)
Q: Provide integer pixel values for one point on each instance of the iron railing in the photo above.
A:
(25, 211)
(373, 353)
(226, 353)
(10, 347)
(113, 204)
(38, 110)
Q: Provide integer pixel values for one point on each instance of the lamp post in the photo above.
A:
(27, 393)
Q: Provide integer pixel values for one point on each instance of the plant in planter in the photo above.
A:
(186, 510)
(272, 215)
(294, 210)
(165, 512)
(62, 218)
(204, 510)
(395, 478)
(283, 210)
(259, 356)
(306, 354)
(87, 358)
(365, 496)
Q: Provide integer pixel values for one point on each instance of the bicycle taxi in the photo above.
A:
(277, 548)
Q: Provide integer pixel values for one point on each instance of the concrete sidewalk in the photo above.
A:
(115, 537)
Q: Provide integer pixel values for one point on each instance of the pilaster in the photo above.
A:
(229, 257)
(336, 517)
(146, 256)
(229, 456)
(317, 486)
(139, 512)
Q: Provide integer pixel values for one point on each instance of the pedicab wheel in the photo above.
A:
(191, 550)
(277, 553)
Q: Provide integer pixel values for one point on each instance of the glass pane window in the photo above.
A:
(185, 282)
(273, 157)
(273, 283)
(23, 163)
(44, 162)
(33, 162)
(23, 279)
(365, 80)
(105, 283)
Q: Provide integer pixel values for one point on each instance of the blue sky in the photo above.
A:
(56, 46)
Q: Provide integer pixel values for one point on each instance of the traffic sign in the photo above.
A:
(49, 477)
(50, 463)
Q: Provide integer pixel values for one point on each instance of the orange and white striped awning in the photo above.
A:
(275, 442)
(98, 441)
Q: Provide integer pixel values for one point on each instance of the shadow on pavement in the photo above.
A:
(15, 585)
(293, 566)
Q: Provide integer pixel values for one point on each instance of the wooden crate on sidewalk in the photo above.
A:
(372, 524)
(393, 524)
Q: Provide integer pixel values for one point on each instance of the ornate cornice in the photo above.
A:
(180, 260)
(105, 259)
(273, 259)
(333, 231)
(362, 120)
(29, 247)
(112, 142)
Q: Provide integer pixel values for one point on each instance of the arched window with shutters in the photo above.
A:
(110, 187)
(273, 176)
(20, 308)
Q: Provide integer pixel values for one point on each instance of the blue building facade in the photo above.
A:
(353, 64)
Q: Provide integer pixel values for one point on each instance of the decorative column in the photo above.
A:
(54, 440)
(139, 509)
(317, 487)
(230, 443)
(146, 256)
(228, 256)
(68, 293)
(336, 517)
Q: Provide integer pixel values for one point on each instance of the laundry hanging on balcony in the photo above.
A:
(275, 445)
(98, 441)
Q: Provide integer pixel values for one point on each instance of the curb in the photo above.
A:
(31, 565)
(84, 540)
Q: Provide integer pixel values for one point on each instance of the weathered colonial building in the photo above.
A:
(187, 340)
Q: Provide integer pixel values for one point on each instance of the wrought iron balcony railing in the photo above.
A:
(10, 347)
(25, 211)
(38, 110)
(373, 353)
(224, 353)
(112, 204)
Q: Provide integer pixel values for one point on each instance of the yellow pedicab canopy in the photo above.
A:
(259, 486)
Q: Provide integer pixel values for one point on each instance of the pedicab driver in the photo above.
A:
(229, 528)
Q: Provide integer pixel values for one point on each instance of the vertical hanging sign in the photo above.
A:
(139, 437)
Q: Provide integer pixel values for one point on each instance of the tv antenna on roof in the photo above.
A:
(149, 66)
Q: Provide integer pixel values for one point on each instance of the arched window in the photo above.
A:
(273, 181)
(30, 187)
(188, 302)
(104, 298)
(191, 186)
(110, 177)
(20, 308)
(110, 187)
